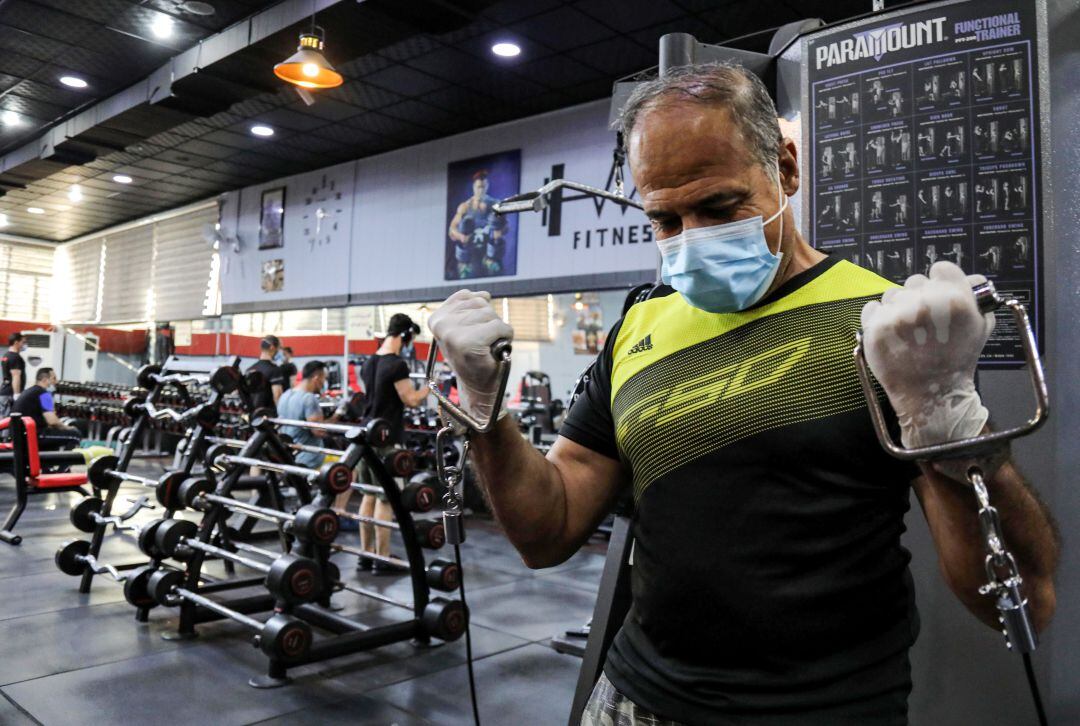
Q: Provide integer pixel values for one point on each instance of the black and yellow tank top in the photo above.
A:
(769, 581)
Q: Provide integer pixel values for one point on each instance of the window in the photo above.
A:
(25, 281)
(532, 318)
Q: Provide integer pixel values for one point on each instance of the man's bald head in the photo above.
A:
(725, 86)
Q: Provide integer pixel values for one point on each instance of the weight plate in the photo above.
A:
(168, 488)
(69, 558)
(145, 376)
(135, 587)
(96, 472)
(225, 380)
(170, 533)
(443, 575)
(161, 583)
(146, 538)
(133, 406)
(82, 514)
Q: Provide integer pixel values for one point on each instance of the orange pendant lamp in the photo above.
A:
(308, 67)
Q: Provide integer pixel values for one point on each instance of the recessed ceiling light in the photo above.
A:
(35, 210)
(195, 7)
(10, 118)
(162, 26)
(75, 193)
(261, 130)
(122, 179)
(506, 50)
(73, 82)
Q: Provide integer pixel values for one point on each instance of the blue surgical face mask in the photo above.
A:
(724, 268)
(279, 358)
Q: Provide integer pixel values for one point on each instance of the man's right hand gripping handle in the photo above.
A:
(466, 327)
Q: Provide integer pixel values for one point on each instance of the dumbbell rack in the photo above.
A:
(287, 640)
(99, 404)
(101, 478)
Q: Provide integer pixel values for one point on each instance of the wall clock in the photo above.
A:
(323, 212)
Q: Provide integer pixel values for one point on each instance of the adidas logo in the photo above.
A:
(642, 345)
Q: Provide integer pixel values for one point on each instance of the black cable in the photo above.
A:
(1034, 685)
(468, 636)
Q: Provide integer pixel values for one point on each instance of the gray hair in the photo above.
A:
(724, 85)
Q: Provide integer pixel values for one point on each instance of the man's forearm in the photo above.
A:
(525, 492)
(1028, 530)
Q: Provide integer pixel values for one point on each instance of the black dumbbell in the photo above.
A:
(146, 538)
(294, 579)
(336, 477)
(207, 416)
(315, 524)
(70, 558)
(443, 575)
(162, 582)
(133, 406)
(168, 487)
(400, 462)
(169, 534)
(284, 637)
(445, 619)
(135, 587)
(430, 533)
(419, 495)
(225, 380)
(190, 490)
(145, 376)
(82, 514)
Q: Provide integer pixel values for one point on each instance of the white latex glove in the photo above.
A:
(466, 326)
(922, 342)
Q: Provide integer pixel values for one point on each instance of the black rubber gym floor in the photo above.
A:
(70, 659)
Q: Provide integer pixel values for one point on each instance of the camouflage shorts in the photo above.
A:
(608, 707)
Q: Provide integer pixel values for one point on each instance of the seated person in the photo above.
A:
(36, 402)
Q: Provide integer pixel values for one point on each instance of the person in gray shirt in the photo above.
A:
(301, 402)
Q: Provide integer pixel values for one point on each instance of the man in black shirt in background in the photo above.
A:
(388, 390)
(14, 372)
(288, 368)
(273, 380)
(36, 402)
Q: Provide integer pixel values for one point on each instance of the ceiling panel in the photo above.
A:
(414, 72)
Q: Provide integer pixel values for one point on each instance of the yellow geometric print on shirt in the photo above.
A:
(784, 363)
(674, 324)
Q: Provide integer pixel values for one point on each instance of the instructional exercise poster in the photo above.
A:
(925, 147)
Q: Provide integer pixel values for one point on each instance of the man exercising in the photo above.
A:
(769, 583)
(37, 403)
(14, 372)
(389, 390)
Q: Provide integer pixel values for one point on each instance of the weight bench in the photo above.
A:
(26, 468)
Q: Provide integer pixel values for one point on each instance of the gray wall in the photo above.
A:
(391, 219)
(1058, 451)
